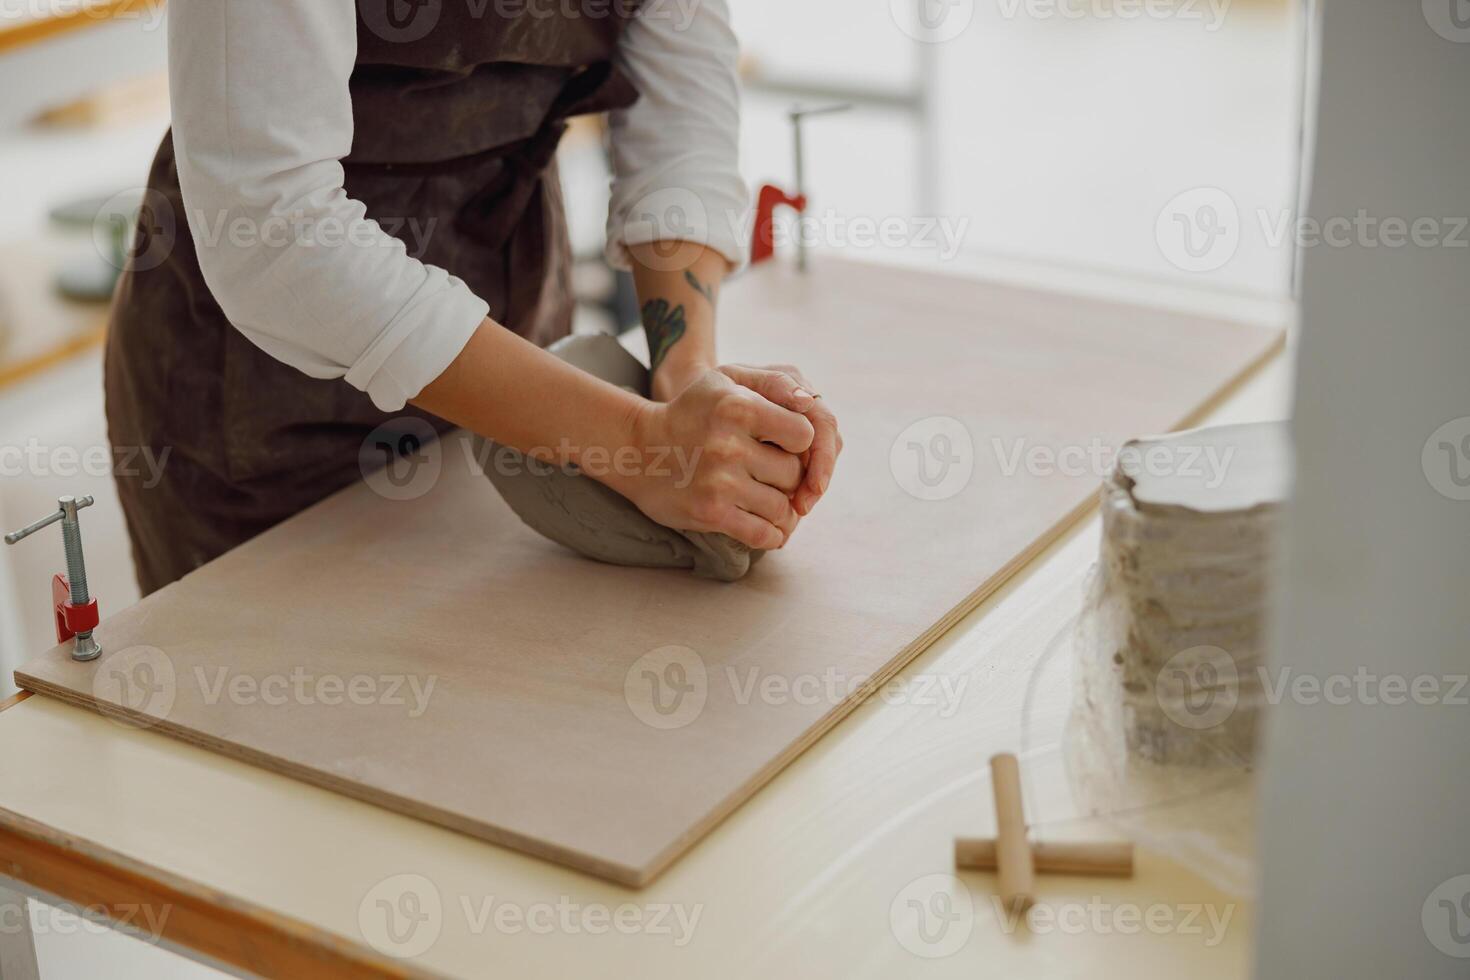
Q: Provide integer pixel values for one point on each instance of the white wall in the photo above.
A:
(1062, 128)
(1066, 137)
(1366, 849)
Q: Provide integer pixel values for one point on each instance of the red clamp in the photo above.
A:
(70, 619)
(763, 245)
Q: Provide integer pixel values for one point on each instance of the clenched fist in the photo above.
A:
(719, 457)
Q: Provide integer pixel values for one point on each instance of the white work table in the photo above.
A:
(257, 872)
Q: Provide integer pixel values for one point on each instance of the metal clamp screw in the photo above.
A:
(76, 610)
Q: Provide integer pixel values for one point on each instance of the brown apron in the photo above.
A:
(458, 106)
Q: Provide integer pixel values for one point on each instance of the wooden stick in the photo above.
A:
(1012, 852)
(1104, 858)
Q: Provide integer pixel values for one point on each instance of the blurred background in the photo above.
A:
(1075, 144)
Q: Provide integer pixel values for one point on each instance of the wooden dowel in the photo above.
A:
(1106, 858)
(1013, 853)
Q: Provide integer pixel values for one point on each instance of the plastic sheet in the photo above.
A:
(1168, 685)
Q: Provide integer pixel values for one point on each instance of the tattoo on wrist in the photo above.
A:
(664, 327)
(708, 292)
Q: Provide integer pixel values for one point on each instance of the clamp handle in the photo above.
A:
(74, 503)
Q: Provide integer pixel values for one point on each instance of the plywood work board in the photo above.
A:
(433, 656)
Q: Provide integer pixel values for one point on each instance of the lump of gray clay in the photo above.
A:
(577, 511)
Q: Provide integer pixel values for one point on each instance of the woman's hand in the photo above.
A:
(678, 316)
(785, 385)
(719, 457)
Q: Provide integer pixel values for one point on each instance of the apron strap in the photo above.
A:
(492, 215)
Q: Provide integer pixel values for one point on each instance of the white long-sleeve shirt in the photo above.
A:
(262, 118)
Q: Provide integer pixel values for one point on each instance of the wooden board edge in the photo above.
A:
(644, 875)
(931, 636)
(575, 860)
(131, 896)
(1210, 405)
(835, 716)
(14, 699)
(23, 370)
(38, 29)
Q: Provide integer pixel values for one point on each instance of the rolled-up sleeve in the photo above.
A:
(262, 118)
(676, 151)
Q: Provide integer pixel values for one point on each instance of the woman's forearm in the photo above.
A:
(507, 389)
(678, 286)
(729, 444)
